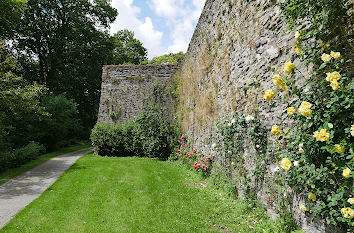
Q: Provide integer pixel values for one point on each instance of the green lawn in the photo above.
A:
(11, 173)
(99, 194)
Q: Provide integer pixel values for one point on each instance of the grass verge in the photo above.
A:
(13, 172)
(100, 194)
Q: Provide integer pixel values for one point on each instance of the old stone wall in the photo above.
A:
(124, 89)
(237, 47)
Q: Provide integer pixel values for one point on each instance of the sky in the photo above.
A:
(163, 26)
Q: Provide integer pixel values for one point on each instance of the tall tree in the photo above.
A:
(127, 49)
(67, 39)
(10, 16)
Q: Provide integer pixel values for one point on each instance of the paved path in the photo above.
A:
(18, 192)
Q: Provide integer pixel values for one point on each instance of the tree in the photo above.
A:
(65, 37)
(127, 49)
(10, 16)
(172, 58)
(19, 101)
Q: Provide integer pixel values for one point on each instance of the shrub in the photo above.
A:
(62, 126)
(150, 135)
(20, 156)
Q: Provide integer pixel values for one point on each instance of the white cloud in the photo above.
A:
(182, 17)
(144, 30)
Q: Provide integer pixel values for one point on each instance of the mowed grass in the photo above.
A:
(13, 172)
(100, 194)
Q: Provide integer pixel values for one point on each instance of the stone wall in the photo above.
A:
(124, 89)
(237, 47)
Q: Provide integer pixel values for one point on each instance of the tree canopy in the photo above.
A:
(172, 58)
(127, 49)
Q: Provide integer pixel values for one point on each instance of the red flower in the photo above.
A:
(195, 167)
(198, 165)
(207, 159)
(194, 151)
(205, 168)
(182, 138)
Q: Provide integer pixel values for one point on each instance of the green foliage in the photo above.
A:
(61, 127)
(149, 135)
(172, 58)
(68, 49)
(16, 158)
(19, 101)
(10, 16)
(322, 162)
(127, 49)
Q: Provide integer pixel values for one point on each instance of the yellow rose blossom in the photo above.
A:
(347, 212)
(291, 111)
(297, 35)
(321, 136)
(346, 172)
(288, 67)
(335, 85)
(277, 80)
(268, 95)
(275, 130)
(305, 108)
(335, 55)
(302, 207)
(297, 50)
(333, 76)
(339, 149)
(352, 130)
(326, 57)
(285, 164)
(284, 87)
(312, 196)
(351, 201)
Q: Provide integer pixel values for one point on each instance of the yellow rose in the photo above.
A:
(321, 136)
(291, 111)
(297, 35)
(335, 55)
(346, 172)
(285, 164)
(288, 67)
(333, 76)
(312, 196)
(303, 208)
(352, 130)
(305, 108)
(339, 149)
(335, 85)
(326, 57)
(275, 130)
(347, 212)
(268, 95)
(297, 50)
(351, 201)
(277, 80)
(284, 87)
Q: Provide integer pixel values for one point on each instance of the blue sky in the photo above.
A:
(163, 26)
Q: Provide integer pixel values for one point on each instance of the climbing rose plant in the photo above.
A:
(318, 158)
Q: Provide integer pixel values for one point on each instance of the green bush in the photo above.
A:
(61, 127)
(20, 156)
(150, 135)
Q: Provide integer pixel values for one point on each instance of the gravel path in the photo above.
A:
(20, 191)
